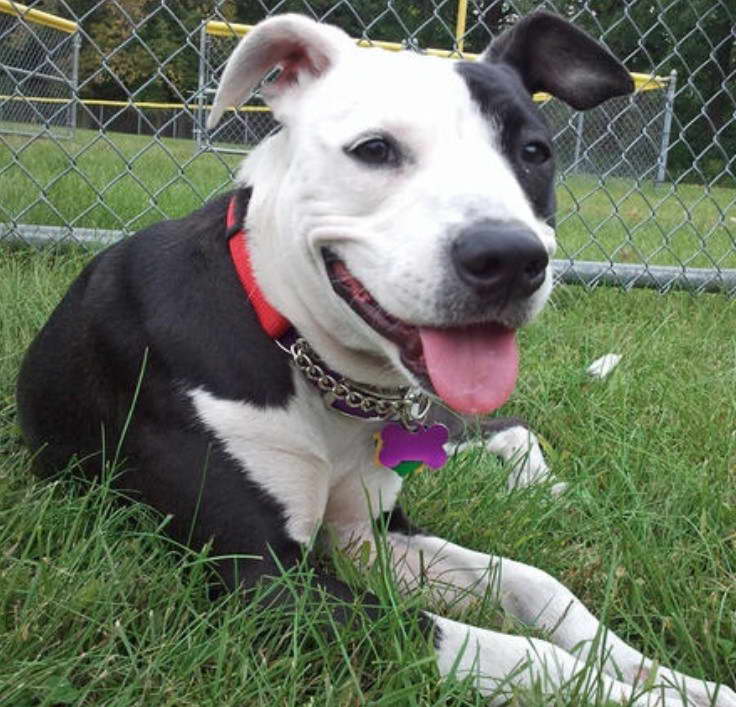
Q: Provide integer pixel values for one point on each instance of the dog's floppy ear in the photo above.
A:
(300, 47)
(554, 56)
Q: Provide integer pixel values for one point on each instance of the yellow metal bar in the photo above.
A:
(123, 104)
(389, 46)
(462, 16)
(538, 97)
(649, 82)
(37, 17)
(643, 82)
(227, 29)
(233, 29)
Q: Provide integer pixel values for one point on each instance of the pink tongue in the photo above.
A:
(474, 368)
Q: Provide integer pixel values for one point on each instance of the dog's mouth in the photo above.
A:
(473, 368)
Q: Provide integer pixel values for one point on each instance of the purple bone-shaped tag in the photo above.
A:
(425, 445)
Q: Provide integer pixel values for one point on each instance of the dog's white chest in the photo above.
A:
(316, 463)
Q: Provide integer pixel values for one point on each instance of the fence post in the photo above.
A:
(664, 147)
(462, 16)
(199, 130)
(76, 46)
(578, 141)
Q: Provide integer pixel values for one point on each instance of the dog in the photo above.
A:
(266, 365)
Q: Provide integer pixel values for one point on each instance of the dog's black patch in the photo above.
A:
(502, 98)
(169, 293)
(163, 307)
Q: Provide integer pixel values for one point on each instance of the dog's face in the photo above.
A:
(402, 218)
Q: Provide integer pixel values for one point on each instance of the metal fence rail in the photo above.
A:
(647, 184)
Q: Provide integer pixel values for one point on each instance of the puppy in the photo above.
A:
(266, 364)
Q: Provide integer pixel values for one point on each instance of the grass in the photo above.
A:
(97, 607)
(619, 220)
(110, 181)
(126, 182)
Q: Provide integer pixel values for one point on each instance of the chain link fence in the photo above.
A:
(625, 137)
(39, 64)
(647, 183)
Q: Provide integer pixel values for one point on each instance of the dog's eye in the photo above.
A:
(375, 151)
(535, 152)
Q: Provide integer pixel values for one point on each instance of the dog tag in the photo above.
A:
(405, 451)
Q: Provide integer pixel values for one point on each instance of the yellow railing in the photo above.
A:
(126, 104)
(233, 29)
(460, 21)
(37, 17)
(643, 82)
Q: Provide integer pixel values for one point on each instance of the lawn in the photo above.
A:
(125, 182)
(97, 608)
(110, 181)
(618, 220)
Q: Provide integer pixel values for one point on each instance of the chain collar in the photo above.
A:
(409, 406)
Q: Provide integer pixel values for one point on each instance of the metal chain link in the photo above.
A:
(43, 69)
(407, 405)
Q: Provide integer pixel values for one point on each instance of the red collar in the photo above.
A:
(278, 327)
(272, 322)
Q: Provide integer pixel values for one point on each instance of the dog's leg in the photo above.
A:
(538, 599)
(511, 439)
(498, 663)
(508, 438)
(576, 637)
(209, 500)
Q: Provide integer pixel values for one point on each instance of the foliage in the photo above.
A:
(696, 39)
(138, 47)
(148, 49)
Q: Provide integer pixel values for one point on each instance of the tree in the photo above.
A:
(425, 23)
(145, 49)
(148, 49)
(697, 39)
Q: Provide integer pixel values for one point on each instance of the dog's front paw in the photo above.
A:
(520, 448)
(726, 696)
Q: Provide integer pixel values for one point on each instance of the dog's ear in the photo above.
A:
(554, 56)
(301, 48)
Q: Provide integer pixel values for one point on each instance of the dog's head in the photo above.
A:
(402, 219)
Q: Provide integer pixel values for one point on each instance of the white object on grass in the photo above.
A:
(602, 367)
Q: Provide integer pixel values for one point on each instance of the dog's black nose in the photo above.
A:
(496, 255)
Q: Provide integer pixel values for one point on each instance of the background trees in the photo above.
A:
(149, 48)
(697, 38)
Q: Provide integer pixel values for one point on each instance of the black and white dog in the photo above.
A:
(397, 230)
